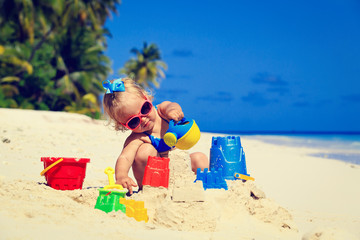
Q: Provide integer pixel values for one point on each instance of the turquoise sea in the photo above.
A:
(343, 147)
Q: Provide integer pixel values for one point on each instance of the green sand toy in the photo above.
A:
(109, 196)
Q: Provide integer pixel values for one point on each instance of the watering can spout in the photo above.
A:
(170, 139)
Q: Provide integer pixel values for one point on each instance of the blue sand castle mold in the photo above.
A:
(228, 154)
(211, 179)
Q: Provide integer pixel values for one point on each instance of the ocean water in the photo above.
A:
(342, 147)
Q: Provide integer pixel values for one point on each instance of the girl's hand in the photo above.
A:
(170, 111)
(175, 115)
(126, 182)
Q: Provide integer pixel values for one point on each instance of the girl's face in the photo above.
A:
(131, 106)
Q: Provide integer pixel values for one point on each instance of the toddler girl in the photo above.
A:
(130, 107)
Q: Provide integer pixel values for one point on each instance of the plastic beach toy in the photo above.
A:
(109, 171)
(109, 196)
(243, 177)
(228, 154)
(51, 166)
(211, 179)
(135, 209)
(112, 198)
(156, 172)
(109, 200)
(183, 134)
(64, 173)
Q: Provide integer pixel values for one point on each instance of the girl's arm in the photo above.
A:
(170, 111)
(125, 161)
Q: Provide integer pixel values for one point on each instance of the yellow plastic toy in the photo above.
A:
(135, 209)
(109, 171)
(183, 134)
(51, 166)
(244, 177)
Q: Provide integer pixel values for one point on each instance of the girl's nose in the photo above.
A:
(143, 119)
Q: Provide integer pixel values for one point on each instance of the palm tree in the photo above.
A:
(52, 53)
(147, 69)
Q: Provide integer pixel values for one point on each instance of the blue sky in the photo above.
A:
(251, 65)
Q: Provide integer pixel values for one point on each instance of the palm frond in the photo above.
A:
(147, 66)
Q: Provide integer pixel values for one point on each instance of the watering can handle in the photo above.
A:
(173, 123)
(51, 166)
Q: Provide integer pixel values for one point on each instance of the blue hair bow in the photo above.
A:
(115, 86)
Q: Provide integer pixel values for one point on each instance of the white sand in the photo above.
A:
(294, 196)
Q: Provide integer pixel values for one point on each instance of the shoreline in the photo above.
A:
(291, 133)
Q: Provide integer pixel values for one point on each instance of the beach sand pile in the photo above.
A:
(213, 210)
(294, 195)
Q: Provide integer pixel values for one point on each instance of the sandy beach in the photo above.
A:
(294, 195)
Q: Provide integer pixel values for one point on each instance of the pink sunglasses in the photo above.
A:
(135, 120)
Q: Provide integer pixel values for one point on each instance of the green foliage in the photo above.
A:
(52, 54)
(147, 68)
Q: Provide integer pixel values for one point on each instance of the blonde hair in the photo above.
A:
(113, 101)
